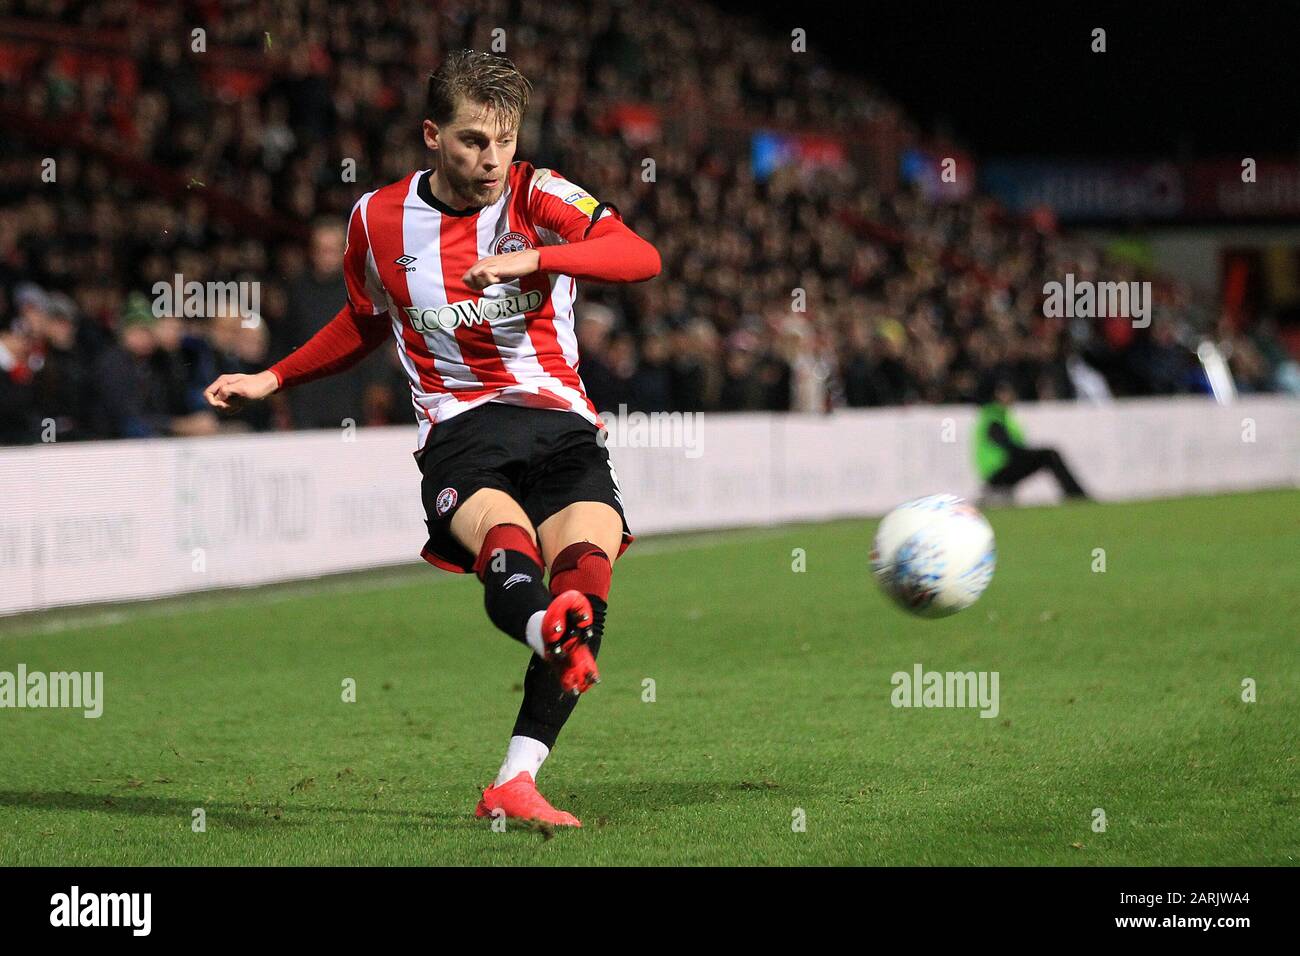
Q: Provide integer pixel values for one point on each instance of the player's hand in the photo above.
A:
(503, 268)
(231, 391)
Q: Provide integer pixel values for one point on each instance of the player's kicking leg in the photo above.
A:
(576, 542)
(492, 525)
(556, 626)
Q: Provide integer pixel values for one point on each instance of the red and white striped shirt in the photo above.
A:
(512, 342)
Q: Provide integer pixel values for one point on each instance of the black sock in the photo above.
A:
(546, 706)
(513, 589)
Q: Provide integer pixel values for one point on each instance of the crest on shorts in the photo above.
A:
(511, 242)
(445, 501)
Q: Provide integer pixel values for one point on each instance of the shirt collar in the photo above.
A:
(425, 192)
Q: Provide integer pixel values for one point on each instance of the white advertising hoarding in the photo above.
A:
(108, 521)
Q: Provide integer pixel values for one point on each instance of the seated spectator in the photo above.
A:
(134, 397)
(594, 327)
(63, 382)
(1162, 363)
(239, 347)
(1002, 457)
(18, 419)
(184, 360)
(741, 391)
(908, 299)
(313, 299)
(858, 367)
(652, 385)
(388, 394)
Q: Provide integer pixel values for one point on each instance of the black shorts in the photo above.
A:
(545, 459)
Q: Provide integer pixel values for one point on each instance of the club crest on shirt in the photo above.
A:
(511, 242)
(445, 501)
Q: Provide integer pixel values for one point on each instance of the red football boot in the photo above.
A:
(566, 628)
(518, 799)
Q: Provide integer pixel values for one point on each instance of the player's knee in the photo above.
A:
(486, 509)
(582, 566)
(501, 540)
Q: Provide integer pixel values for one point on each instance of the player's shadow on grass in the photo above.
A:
(595, 798)
(655, 795)
(235, 816)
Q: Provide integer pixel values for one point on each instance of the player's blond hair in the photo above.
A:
(477, 77)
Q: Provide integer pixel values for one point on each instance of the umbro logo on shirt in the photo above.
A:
(405, 263)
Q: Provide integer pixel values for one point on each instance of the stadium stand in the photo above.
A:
(802, 286)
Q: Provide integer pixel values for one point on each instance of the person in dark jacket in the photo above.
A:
(19, 423)
(134, 396)
(313, 300)
(62, 383)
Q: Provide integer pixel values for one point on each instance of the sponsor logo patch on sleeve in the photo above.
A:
(582, 200)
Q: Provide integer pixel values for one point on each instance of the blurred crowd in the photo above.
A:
(804, 290)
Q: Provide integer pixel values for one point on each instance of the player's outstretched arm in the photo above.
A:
(611, 252)
(231, 391)
(343, 342)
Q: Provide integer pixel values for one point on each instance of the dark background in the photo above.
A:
(1178, 79)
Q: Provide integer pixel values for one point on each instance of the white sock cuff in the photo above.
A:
(523, 753)
(533, 634)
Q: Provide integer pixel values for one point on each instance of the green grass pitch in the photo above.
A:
(1119, 690)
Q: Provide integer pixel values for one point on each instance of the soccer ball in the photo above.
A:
(934, 556)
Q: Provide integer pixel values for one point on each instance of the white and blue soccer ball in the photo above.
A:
(934, 556)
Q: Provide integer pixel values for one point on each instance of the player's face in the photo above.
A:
(475, 151)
